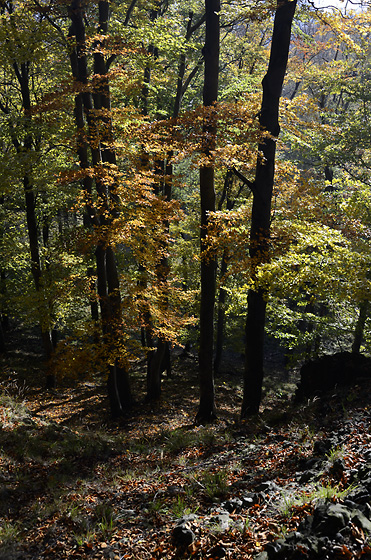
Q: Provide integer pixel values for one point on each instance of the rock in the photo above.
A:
(337, 469)
(306, 476)
(250, 499)
(352, 475)
(309, 464)
(305, 524)
(324, 373)
(324, 544)
(360, 495)
(261, 556)
(175, 490)
(127, 512)
(295, 536)
(233, 505)
(268, 486)
(364, 471)
(221, 521)
(218, 551)
(350, 505)
(339, 538)
(322, 447)
(182, 536)
(312, 545)
(329, 519)
(361, 521)
(277, 550)
(29, 422)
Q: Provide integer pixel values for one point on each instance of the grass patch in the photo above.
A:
(321, 492)
(182, 507)
(9, 533)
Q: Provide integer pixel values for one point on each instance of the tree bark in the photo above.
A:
(360, 326)
(262, 198)
(206, 412)
(159, 359)
(89, 108)
(221, 315)
(22, 72)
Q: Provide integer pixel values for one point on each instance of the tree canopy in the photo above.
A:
(132, 130)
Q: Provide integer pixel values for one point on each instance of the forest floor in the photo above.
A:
(74, 484)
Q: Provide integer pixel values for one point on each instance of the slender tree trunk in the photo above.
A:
(221, 315)
(206, 412)
(223, 271)
(102, 106)
(36, 264)
(4, 317)
(145, 313)
(4, 320)
(23, 77)
(262, 198)
(360, 326)
(159, 359)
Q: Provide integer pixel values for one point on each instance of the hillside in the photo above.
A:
(293, 483)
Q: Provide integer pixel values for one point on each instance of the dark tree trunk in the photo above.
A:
(118, 383)
(221, 315)
(4, 317)
(2, 340)
(360, 326)
(153, 384)
(154, 370)
(101, 152)
(262, 198)
(226, 195)
(206, 412)
(159, 359)
(23, 77)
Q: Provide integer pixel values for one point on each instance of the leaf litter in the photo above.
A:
(77, 485)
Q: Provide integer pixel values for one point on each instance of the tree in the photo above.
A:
(262, 198)
(27, 143)
(206, 411)
(95, 107)
(330, 146)
(158, 357)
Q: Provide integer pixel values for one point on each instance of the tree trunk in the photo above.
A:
(262, 198)
(159, 359)
(206, 412)
(360, 326)
(221, 315)
(228, 182)
(23, 77)
(101, 152)
(4, 317)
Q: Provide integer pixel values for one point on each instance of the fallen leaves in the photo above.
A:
(115, 492)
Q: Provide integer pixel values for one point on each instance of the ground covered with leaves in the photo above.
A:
(74, 484)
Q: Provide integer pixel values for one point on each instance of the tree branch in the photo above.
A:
(250, 184)
(129, 12)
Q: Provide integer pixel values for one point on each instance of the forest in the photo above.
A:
(185, 220)
(149, 199)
